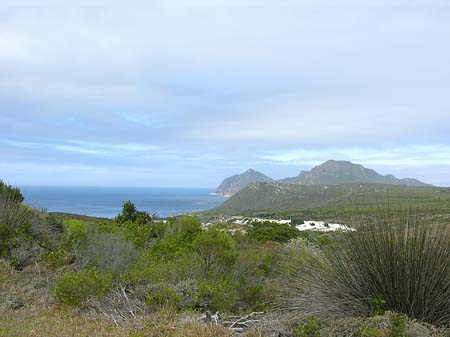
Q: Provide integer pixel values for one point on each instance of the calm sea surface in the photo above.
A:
(107, 202)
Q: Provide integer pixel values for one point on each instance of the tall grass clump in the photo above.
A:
(399, 264)
(13, 214)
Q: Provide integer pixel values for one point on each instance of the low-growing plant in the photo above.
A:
(163, 295)
(308, 329)
(56, 258)
(397, 325)
(220, 295)
(370, 331)
(269, 231)
(104, 250)
(73, 288)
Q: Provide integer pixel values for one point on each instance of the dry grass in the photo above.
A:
(38, 322)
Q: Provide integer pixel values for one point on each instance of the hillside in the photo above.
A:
(234, 184)
(345, 172)
(279, 196)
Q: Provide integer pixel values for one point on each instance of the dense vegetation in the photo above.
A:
(138, 275)
(277, 196)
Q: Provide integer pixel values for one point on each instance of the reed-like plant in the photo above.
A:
(13, 213)
(400, 264)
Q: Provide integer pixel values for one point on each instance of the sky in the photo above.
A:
(184, 93)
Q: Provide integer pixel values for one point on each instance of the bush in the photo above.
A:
(25, 252)
(152, 268)
(163, 295)
(56, 258)
(269, 231)
(216, 249)
(73, 288)
(46, 229)
(220, 295)
(308, 329)
(6, 235)
(403, 261)
(104, 250)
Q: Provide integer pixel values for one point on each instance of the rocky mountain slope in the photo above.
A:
(234, 184)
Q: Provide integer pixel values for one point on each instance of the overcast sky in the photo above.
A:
(184, 93)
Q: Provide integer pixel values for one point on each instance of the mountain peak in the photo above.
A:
(234, 184)
(333, 172)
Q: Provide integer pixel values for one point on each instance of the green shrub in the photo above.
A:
(391, 325)
(6, 236)
(163, 295)
(216, 249)
(221, 295)
(152, 269)
(308, 329)
(269, 231)
(104, 250)
(397, 325)
(56, 258)
(370, 331)
(75, 232)
(73, 288)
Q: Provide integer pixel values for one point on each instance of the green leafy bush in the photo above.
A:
(397, 326)
(163, 295)
(216, 249)
(269, 231)
(73, 288)
(56, 258)
(392, 325)
(75, 232)
(308, 329)
(221, 295)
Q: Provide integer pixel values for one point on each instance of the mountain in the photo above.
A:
(280, 196)
(334, 172)
(234, 184)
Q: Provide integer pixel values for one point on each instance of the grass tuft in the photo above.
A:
(400, 264)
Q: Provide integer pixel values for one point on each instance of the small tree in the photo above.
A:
(131, 214)
(217, 250)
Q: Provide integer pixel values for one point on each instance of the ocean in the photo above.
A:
(107, 201)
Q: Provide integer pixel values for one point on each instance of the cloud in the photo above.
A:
(210, 87)
(411, 155)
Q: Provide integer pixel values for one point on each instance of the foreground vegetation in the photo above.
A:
(138, 275)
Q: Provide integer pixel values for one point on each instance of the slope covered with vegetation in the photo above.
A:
(278, 196)
(138, 276)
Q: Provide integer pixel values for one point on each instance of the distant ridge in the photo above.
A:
(334, 172)
(236, 183)
(331, 172)
(279, 196)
